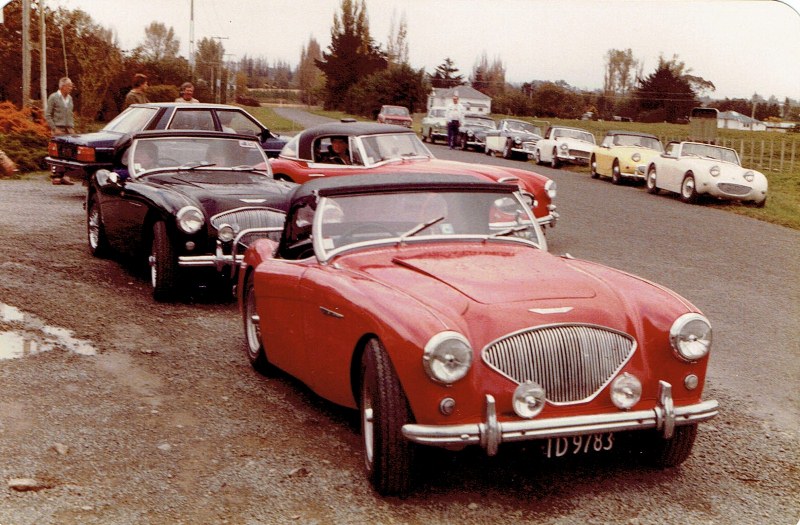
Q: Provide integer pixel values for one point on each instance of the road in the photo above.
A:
(119, 410)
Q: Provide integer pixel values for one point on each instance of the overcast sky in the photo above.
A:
(742, 46)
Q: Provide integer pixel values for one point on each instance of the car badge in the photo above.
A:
(545, 311)
(253, 201)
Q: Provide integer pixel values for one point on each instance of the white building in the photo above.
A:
(473, 100)
(735, 120)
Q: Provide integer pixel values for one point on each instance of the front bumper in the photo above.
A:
(490, 433)
(549, 219)
(219, 260)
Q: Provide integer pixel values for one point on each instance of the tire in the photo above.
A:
(424, 137)
(554, 161)
(388, 456)
(666, 453)
(761, 203)
(95, 232)
(486, 149)
(593, 168)
(650, 181)
(507, 153)
(537, 156)
(163, 264)
(253, 344)
(463, 143)
(688, 190)
(430, 136)
(616, 175)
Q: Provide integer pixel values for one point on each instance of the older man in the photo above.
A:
(454, 115)
(60, 118)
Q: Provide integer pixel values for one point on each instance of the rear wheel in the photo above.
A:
(163, 264)
(688, 189)
(616, 175)
(388, 456)
(96, 234)
(593, 168)
(650, 182)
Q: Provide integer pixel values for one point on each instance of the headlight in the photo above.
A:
(550, 188)
(447, 357)
(470, 133)
(563, 146)
(517, 141)
(690, 336)
(636, 157)
(626, 391)
(749, 176)
(190, 219)
(714, 171)
(226, 233)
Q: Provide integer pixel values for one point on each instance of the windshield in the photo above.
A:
(366, 219)
(388, 146)
(574, 134)
(395, 110)
(480, 121)
(711, 152)
(517, 125)
(130, 120)
(638, 140)
(214, 153)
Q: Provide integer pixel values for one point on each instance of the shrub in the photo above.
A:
(247, 101)
(23, 136)
(162, 93)
(26, 120)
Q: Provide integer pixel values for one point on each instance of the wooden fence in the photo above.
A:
(764, 155)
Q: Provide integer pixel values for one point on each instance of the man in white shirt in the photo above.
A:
(454, 115)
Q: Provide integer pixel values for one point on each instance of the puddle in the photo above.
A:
(29, 335)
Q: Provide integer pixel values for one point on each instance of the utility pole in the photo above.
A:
(191, 39)
(26, 53)
(42, 57)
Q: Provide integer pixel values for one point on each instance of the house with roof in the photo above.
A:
(735, 120)
(473, 100)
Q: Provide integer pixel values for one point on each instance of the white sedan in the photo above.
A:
(564, 145)
(692, 169)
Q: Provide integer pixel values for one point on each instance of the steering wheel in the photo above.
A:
(365, 227)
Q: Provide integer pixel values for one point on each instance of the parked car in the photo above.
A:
(395, 115)
(513, 138)
(562, 145)
(624, 155)
(382, 148)
(183, 201)
(82, 154)
(694, 169)
(473, 130)
(434, 125)
(430, 304)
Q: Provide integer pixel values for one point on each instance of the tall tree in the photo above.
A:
(667, 93)
(209, 62)
(445, 75)
(622, 70)
(310, 79)
(159, 42)
(489, 79)
(352, 54)
(397, 48)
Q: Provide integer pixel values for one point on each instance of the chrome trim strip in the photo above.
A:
(490, 433)
(330, 313)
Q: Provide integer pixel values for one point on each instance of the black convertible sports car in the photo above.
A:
(185, 200)
(83, 154)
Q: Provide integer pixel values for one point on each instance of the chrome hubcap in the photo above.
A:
(367, 426)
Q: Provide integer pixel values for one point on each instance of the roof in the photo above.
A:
(346, 129)
(124, 140)
(462, 91)
(196, 105)
(735, 115)
(388, 182)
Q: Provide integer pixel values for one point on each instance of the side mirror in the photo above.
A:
(265, 134)
(105, 177)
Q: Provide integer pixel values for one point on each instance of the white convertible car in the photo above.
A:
(562, 145)
(692, 169)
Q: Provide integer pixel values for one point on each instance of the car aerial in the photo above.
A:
(694, 169)
(383, 148)
(183, 201)
(431, 304)
(513, 138)
(81, 155)
(434, 125)
(624, 155)
(473, 130)
(563, 145)
(395, 115)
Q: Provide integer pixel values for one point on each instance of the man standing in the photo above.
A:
(187, 94)
(136, 95)
(60, 118)
(455, 114)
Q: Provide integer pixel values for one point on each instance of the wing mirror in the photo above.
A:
(105, 177)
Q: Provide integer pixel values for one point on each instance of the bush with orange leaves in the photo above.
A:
(23, 137)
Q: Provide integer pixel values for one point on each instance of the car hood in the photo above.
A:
(220, 191)
(98, 139)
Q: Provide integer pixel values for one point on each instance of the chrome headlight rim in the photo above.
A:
(749, 176)
(691, 337)
(626, 391)
(447, 357)
(226, 232)
(190, 219)
(636, 157)
(715, 171)
(550, 187)
(563, 146)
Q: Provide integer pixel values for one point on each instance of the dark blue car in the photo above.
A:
(81, 155)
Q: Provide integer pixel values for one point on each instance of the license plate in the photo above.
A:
(578, 445)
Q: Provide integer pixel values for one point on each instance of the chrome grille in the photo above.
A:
(246, 218)
(571, 362)
(733, 189)
(579, 154)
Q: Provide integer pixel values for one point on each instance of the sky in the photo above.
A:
(744, 47)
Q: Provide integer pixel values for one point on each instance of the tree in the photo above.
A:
(159, 43)
(445, 75)
(400, 85)
(397, 48)
(667, 94)
(489, 79)
(352, 54)
(622, 70)
(208, 62)
(310, 79)
(557, 99)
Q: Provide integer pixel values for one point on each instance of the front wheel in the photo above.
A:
(388, 456)
(616, 174)
(688, 190)
(593, 168)
(254, 345)
(537, 156)
(96, 233)
(507, 153)
(665, 453)
(554, 163)
(163, 264)
(650, 182)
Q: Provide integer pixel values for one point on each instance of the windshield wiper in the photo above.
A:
(509, 231)
(419, 227)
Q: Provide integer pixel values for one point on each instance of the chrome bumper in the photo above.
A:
(219, 259)
(549, 219)
(491, 432)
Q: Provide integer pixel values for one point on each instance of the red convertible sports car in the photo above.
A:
(382, 148)
(430, 303)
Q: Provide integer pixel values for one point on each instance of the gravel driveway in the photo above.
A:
(115, 409)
